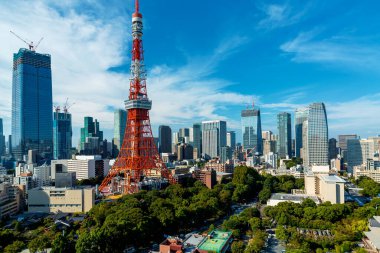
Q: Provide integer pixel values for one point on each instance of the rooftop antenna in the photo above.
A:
(32, 47)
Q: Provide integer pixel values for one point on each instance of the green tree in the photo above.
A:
(255, 224)
(15, 247)
(39, 243)
(264, 195)
(238, 247)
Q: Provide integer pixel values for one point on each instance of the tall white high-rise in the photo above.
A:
(214, 137)
(315, 146)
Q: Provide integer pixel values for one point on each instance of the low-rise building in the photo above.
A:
(10, 200)
(372, 237)
(206, 176)
(85, 167)
(327, 187)
(371, 169)
(66, 200)
(216, 241)
(218, 166)
(277, 198)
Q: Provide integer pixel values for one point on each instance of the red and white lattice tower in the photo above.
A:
(138, 157)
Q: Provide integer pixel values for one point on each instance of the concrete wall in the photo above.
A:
(60, 199)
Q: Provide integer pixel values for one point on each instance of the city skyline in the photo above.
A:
(184, 93)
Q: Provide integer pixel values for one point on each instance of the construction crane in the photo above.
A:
(32, 47)
(67, 106)
(57, 108)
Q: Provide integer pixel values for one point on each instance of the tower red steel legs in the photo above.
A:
(138, 156)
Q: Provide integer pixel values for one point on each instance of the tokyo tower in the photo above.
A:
(138, 163)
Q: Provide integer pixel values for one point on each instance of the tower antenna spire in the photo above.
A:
(137, 6)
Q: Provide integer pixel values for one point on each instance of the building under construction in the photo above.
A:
(138, 165)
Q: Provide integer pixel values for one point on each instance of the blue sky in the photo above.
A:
(207, 59)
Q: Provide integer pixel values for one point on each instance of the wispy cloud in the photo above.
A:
(356, 115)
(341, 50)
(189, 93)
(84, 48)
(277, 15)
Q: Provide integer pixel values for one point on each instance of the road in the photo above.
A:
(274, 246)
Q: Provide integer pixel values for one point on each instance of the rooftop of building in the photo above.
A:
(375, 221)
(192, 241)
(215, 241)
(223, 174)
(292, 197)
(53, 188)
(332, 179)
(374, 237)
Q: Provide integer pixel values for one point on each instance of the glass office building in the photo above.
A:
(120, 122)
(32, 114)
(2, 139)
(62, 135)
(300, 118)
(284, 141)
(316, 145)
(165, 139)
(251, 130)
(197, 138)
(214, 137)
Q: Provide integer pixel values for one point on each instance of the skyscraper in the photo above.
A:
(251, 129)
(333, 151)
(62, 135)
(231, 139)
(90, 137)
(214, 137)
(165, 139)
(32, 117)
(197, 138)
(358, 151)
(300, 118)
(120, 120)
(284, 128)
(342, 142)
(2, 139)
(315, 147)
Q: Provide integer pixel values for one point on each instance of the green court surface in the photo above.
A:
(216, 242)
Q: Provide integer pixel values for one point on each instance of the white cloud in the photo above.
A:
(84, 48)
(334, 50)
(356, 116)
(277, 16)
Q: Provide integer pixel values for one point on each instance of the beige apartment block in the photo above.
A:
(327, 187)
(66, 200)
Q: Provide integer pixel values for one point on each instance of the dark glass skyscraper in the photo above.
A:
(197, 137)
(165, 139)
(251, 129)
(2, 139)
(32, 117)
(62, 135)
(284, 141)
(300, 118)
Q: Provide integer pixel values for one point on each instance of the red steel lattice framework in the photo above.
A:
(138, 156)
